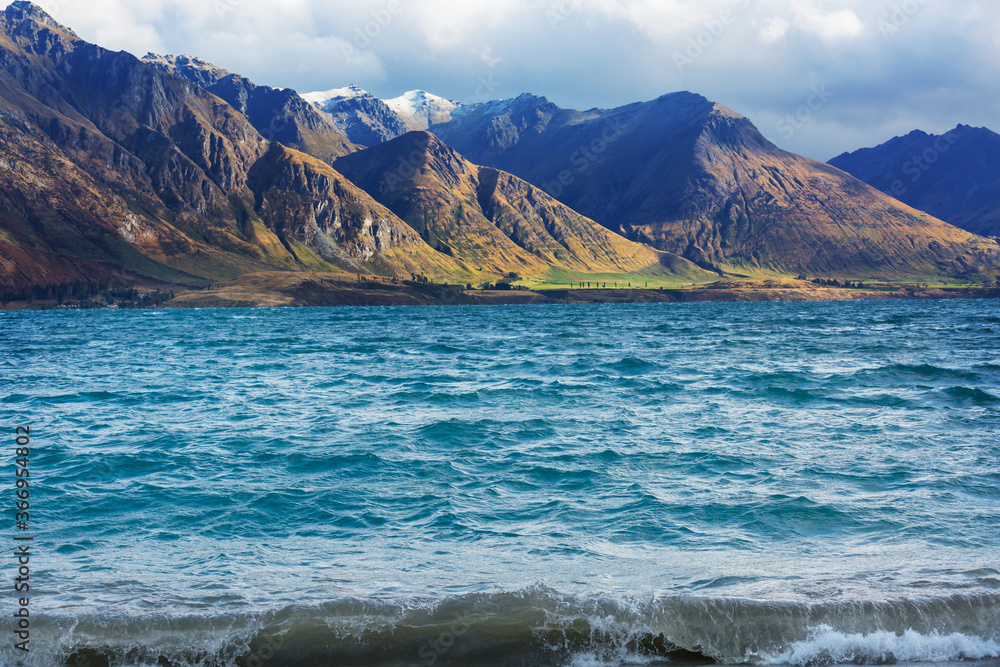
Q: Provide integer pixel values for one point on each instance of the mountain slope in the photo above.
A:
(954, 176)
(279, 115)
(312, 206)
(81, 119)
(692, 177)
(492, 220)
(59, 224)
(113, 167)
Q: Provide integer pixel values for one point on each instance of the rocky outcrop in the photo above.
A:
(278, 115)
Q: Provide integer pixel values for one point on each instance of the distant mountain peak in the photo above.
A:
(952, 176)
(172, 63)
(520, 104)
(530, 99)
(684, 95)
(21, 10)
(972, 129)
(526, 97)
(420, 109)
(326, 98)
(183, 59)
(414, 100)
(359, 115)
(723, 110)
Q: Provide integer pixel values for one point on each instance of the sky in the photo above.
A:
(817, 77)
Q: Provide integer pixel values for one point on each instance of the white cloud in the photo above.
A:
(587, 53)
(773, 29)
(830, 26)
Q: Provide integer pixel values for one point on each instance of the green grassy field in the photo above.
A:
(653, 277)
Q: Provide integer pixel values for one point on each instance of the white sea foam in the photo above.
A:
(594, 659)
(828, 646)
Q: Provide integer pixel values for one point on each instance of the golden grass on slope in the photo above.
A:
(372, 234)
(491, 220)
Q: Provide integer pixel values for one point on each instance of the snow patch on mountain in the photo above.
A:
(420, 109)
(327, 100)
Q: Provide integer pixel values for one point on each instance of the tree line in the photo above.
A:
(85, 294)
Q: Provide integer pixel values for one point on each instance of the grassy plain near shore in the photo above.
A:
(291, 289)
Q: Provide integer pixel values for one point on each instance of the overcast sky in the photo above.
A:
(818, 77)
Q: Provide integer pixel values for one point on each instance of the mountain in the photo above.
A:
(420, 109)
(116, 170)
(312, 206)
(369, 121)
(493, 221)
(692, 177)
(954, 176)
(362, 118)
(278, 115)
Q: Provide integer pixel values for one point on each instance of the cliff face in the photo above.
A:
(278, 115)
(111, 166)
(488, 218)
(954, 176)
(693, 177)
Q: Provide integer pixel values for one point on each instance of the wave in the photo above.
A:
(972, 396)
(537, 626)
(827, 646)
(921, 372)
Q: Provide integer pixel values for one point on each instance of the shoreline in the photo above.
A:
(324, 290)
(304, 290)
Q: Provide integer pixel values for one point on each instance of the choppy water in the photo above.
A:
(581, 485)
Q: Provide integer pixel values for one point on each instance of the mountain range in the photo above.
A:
(170, 169)
(115, 168)
(693, 177)
(367, 120)
(490, 218)
(954, 176)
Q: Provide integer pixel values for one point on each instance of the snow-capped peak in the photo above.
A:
(327, 98)
(420, 109)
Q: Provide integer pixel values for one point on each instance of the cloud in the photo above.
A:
(773, 29)
(935, 68)
(830, 26)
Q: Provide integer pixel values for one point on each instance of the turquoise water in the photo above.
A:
(559, 485)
